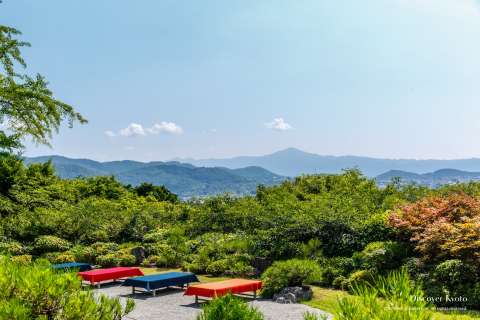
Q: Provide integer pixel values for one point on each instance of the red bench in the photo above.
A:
(220, 288)
(96, 276)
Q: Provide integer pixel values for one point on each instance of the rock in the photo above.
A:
(293, 294)
(290, 297)
(139, 253)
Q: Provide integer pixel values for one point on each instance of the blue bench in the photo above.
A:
(152, 283)
(77, 266)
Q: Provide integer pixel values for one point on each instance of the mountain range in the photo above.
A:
(293, 162)
(432, 179)
(241, 175)
(184, 179)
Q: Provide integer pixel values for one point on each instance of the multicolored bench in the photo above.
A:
(99, 275)
(152, 283)
(220, 288)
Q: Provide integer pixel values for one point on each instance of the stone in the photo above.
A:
(293, 294)
(139, 253)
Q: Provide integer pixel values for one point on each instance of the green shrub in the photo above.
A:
(22, 259)
(454, 278)
(340, 282)
(127, 259)
(13, 248)
(64, 257)
(36, 291)
(83, 254)
(44, 244)
(335, 267)
(229, 308)
(108, 260)
(359, 277)
(452, 273)
(240, 269)
(381, 256)
(167, 256)
(218, 267)
(289, 273)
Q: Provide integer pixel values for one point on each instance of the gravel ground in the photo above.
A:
(171, 304)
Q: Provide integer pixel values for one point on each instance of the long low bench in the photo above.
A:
(220, 288)
(99, 275)
(152, 283)
(69, 266)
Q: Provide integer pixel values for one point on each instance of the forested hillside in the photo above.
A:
(184, 179)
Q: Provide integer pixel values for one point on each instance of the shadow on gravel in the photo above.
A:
(147, 295)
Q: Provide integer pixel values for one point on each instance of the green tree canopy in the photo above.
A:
(27, 107)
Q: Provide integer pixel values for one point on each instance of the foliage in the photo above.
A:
(442, 227)
(27, 106)
(44, 244)
(391, 297)
(313, 316)
(160, 193)
(381, 256)
(36, 291)
(229, 308)
(289, 273)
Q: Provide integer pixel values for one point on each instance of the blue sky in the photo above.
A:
(159, 79)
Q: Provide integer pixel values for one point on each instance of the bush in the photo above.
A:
(108, 260)
(166, 255)
(119, 258)
(454, 278)
(44, 244)
(357, 278)
(36, 291)
(438, 226)
(64, 257)
(218, 267)
(22, 259)
(229, 308)
(289, 273)
(340, 283)
(335, 267)
(381, 256)
(13, 248)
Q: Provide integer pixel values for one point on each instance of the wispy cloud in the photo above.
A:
(278, 124)
(138, 130)
(110, 133)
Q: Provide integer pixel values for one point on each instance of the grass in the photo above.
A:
(326, 300)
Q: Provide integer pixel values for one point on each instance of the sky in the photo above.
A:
(163, 79)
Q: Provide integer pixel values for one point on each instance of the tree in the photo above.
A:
(442, 227)
(158, 192)
(27, 107)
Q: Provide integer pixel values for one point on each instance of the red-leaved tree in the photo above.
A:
(442, 227)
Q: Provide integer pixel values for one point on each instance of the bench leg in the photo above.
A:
(153, 293)
(98, 285)
(255, 294)
(196, 299)
(133, 290)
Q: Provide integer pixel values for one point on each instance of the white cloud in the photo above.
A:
(133, 130)
(278, 124)
(110, 133)
(138, 130)
(165, 127)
